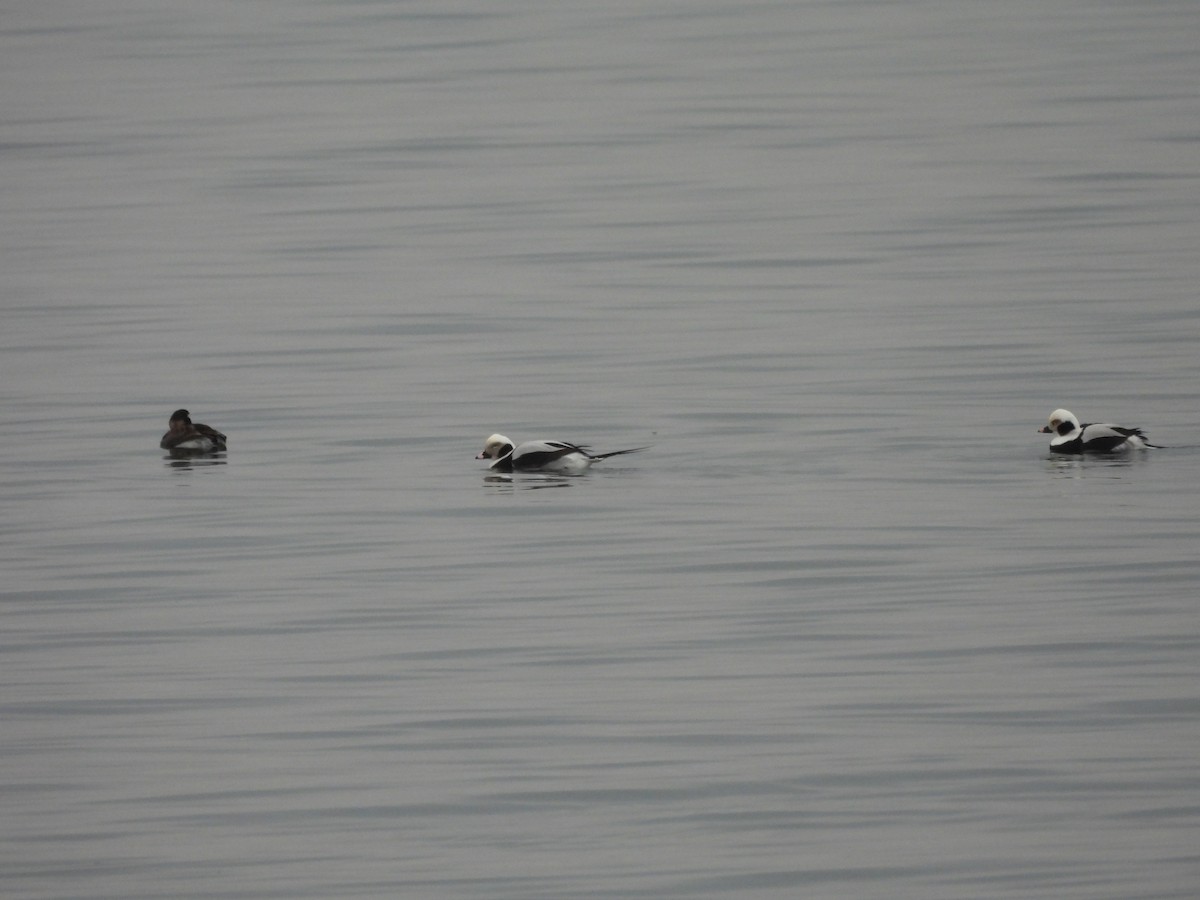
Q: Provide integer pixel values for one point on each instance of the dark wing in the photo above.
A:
(217, 438)
(172, 440)
(210, 432)
(536, 454)
(1106, 438)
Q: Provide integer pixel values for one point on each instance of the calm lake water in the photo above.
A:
(847, 630)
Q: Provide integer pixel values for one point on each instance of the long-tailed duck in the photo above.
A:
(542, 456)
(1071, 437)
(184, 434)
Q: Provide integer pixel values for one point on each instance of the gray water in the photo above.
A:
(847, 630)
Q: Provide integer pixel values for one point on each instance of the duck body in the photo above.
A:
(1072, 437)
(184, 434)
(556, 457)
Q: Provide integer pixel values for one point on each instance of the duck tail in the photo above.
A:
(620, 452)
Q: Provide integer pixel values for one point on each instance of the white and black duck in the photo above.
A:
(1072, 437)
(558, 457)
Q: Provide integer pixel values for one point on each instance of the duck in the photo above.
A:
(1071, 437)
(558, 457)
(184, 434)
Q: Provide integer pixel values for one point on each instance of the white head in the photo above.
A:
(1062, 421)
(496, 447)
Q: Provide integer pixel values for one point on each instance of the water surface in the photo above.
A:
(847, 630)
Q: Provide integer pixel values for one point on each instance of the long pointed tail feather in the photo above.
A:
(619, 452)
